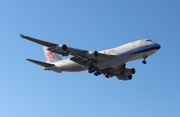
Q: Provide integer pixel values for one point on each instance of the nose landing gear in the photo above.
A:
(144, 61)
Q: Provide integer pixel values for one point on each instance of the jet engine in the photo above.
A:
(58, 48)
(127, 74)
(127, 77)
(92, 54)
(128, 71)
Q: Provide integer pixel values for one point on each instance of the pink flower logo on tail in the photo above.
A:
(50, 56)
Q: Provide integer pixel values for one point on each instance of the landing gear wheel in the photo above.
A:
(96, 74)
(90, 72)
(144, 62)
(91, 69)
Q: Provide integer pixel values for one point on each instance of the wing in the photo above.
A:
(80, 56)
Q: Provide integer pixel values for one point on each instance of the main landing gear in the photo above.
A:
(97, 72)
(94, 70)
(144, 61)
(108, 75)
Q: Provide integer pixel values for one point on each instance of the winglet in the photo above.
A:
(21, 35)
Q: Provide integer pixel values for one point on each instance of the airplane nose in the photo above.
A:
(158, 46)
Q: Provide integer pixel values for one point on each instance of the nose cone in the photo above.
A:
(158, 46)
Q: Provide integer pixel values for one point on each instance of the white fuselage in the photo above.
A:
(127, 52)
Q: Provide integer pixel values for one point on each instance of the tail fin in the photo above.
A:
(50, 56)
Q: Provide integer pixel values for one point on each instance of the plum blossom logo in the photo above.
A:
(50, 56)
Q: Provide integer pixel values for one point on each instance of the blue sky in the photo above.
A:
(28, 91)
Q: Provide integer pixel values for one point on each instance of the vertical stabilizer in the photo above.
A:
(50, 56)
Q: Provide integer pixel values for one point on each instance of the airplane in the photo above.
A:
(110, 62)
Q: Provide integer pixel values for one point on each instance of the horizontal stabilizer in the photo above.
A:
(43, 64)
(44, 43)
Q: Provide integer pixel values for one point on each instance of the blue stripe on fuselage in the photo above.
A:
(146, 50)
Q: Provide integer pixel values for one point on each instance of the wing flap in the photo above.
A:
(80, 60)
(43, 64)
(85, 61)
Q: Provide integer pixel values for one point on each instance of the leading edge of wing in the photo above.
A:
(44, 43)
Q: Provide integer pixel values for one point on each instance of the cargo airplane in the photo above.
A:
(110, 62)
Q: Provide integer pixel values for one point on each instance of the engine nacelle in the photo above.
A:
(92, 54)
(127, 77)
(62, 47)
(58, 48)
(128, 71)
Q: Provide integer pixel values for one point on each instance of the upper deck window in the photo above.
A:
(148, 40)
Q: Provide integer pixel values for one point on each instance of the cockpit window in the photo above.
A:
(148, 40)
